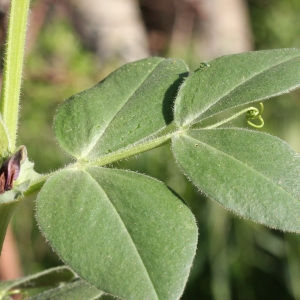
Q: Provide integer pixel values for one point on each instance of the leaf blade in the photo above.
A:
(139, 258)
(128, 106)
(227, 165)
(233, 80)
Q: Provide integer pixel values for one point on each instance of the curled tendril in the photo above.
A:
(251, 114)
(255, 113)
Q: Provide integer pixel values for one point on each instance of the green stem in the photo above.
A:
(134, 150)
(163, 137)
(13, 63)
(11, 87)
(37, 184)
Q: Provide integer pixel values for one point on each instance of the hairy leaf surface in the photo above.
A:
(233, 80)
(128, 106)
(126, 233)
(251, 173)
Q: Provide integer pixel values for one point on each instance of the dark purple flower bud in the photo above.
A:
(10, 169)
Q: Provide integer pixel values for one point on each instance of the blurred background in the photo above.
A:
(73, 44)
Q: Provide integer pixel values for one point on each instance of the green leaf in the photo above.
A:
(51, 277)
(251, 173)
(234, 80)
(125, 233)
(131, 104)
(78, 290)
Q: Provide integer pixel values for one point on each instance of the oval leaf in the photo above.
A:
(128, 106)
(251, 173)
(234, 80)
(126, 233)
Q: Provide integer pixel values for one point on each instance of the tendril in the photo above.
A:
(252, 113)
(255, 113)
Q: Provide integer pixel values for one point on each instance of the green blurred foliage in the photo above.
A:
(236, 259)
(275, 23)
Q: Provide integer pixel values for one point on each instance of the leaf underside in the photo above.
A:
(234, 80)
(251, 173)
(126, 233)
(128, 106)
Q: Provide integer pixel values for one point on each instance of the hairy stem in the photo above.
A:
(13, 63)
(9, 105)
